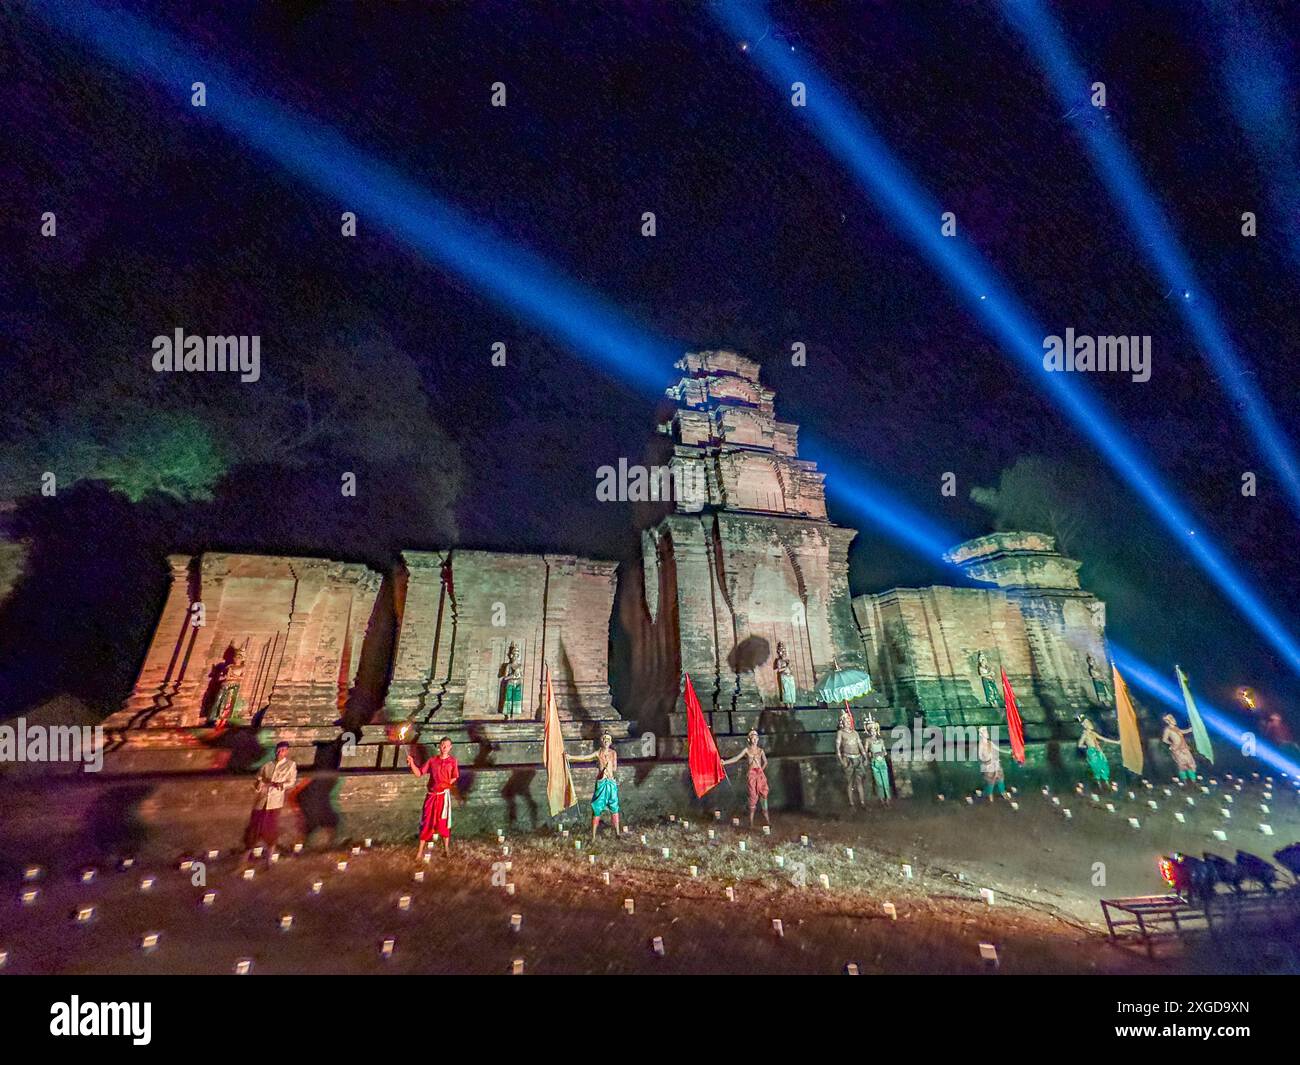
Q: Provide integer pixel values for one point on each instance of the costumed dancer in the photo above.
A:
(227, 701)
(991, 694)
(1090, 741)
(785, 676)
(514, 680)
(443, 771)
(879, 760)
(1174, 738)
(990, 756)
(274, 780)
(605, 795)
(852, 754)
(757, 778)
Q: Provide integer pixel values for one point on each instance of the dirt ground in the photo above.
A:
(1046, 873)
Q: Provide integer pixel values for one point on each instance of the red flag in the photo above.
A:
(701, 749)
(1014, 728)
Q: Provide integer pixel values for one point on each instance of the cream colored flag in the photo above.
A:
(1130, 740)
(559, 781)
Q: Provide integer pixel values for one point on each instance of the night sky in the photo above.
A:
(763, 239)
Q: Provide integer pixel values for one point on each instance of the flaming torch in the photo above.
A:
(408, 733)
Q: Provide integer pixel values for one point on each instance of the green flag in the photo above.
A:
(1199, 734)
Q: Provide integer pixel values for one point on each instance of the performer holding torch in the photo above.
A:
(443, 771)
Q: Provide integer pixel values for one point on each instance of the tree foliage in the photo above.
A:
(343, 405)
(1128, 561)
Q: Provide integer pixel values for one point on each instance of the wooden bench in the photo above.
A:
(1162, 917)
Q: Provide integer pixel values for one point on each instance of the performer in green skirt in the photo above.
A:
(513, 705)
(784, 675)
(879, 760)
(992, 697)
(605, 795)
(1090, 741)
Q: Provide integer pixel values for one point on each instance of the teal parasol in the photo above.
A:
(841, 685)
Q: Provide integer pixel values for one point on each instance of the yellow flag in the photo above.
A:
(1130, 740)
(559, 781)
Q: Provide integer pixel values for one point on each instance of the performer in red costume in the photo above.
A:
(443, 771)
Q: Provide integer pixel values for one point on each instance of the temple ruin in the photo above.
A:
(353, 668)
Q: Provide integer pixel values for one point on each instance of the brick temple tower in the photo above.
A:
(742, 557)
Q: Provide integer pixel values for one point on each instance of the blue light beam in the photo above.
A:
(1119, 173)
(511, 276)
(871, 500)
(905, 204)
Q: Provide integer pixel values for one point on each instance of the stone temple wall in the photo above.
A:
(301, 623)
(463, 609)
(1033, 620)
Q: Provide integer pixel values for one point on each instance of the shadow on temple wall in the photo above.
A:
(328, 755)
(112, 821)
(517, 790)
(318, 805)
(566, 672)
(749, 654)
(783, 732)
(216, 675)
(791, 779)
(483, 755)
(375, 664)
(644, 659)
(641, 771)
(467, 783)
(242, 743)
